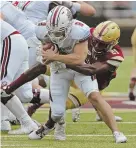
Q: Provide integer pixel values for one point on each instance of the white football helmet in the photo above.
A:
(59, 22)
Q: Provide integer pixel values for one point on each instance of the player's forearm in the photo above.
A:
(1, 16)
(71, 59)
(27, 76)
(80, 69)
(90, 69)
(86, 9)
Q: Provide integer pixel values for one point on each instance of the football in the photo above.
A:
(48, 46)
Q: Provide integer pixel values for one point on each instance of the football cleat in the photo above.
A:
(131, 96)
(12, 119)
(5, 126)
(39, 133)
(76, 114)
(59, 133)
(24, 130)
(119, 137)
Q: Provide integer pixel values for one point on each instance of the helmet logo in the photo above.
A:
(101, 32)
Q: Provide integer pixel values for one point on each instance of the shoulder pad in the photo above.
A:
(115, 56)
(80, 31)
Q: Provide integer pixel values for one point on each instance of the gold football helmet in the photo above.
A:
(105, 36)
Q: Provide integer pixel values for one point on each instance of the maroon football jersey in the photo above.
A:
(112, 57)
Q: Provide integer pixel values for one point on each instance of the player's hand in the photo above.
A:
(49, 54)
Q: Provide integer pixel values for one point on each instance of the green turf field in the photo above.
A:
(85, 134)
(120, 84)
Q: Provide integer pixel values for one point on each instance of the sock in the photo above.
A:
(50, 123)
(16, 107)
(4, 112)
(32, 109)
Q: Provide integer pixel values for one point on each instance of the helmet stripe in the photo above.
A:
(54, 16)
(104, 29)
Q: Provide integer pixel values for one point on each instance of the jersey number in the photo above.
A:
(114, 51)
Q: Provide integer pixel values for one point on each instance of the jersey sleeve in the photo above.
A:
(80, 31)
(115, 56)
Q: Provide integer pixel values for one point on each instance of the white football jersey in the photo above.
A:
(17, 19)
(36, 11)
(80, 32)
(6, 29)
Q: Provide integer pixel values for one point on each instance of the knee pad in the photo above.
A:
(57, 114)
(25, 96)
(56, 118)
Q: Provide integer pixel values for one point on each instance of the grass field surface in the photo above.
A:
(87, 133)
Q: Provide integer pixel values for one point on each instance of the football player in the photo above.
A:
(37, 11)
(71, 37)
(105, 53)
(132, 85)
(13, 46)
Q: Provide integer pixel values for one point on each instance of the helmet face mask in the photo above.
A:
(59, 24)
(100, 47)
(58, 36)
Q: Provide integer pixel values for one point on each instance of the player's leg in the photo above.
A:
(90, 89)
(15, 44)
(26, 93)
(59, 87)
(132, 84)
(5, 125)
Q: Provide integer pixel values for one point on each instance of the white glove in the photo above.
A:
(38, 54)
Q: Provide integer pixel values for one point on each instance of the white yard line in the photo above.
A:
(81, 135)
(85, 110)
(98, 122)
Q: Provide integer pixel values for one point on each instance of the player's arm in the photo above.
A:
(96, 68)
(27, 76)
(1, 16)
(133, 41)
(76, 58)
(79, 6)
(86, 9)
